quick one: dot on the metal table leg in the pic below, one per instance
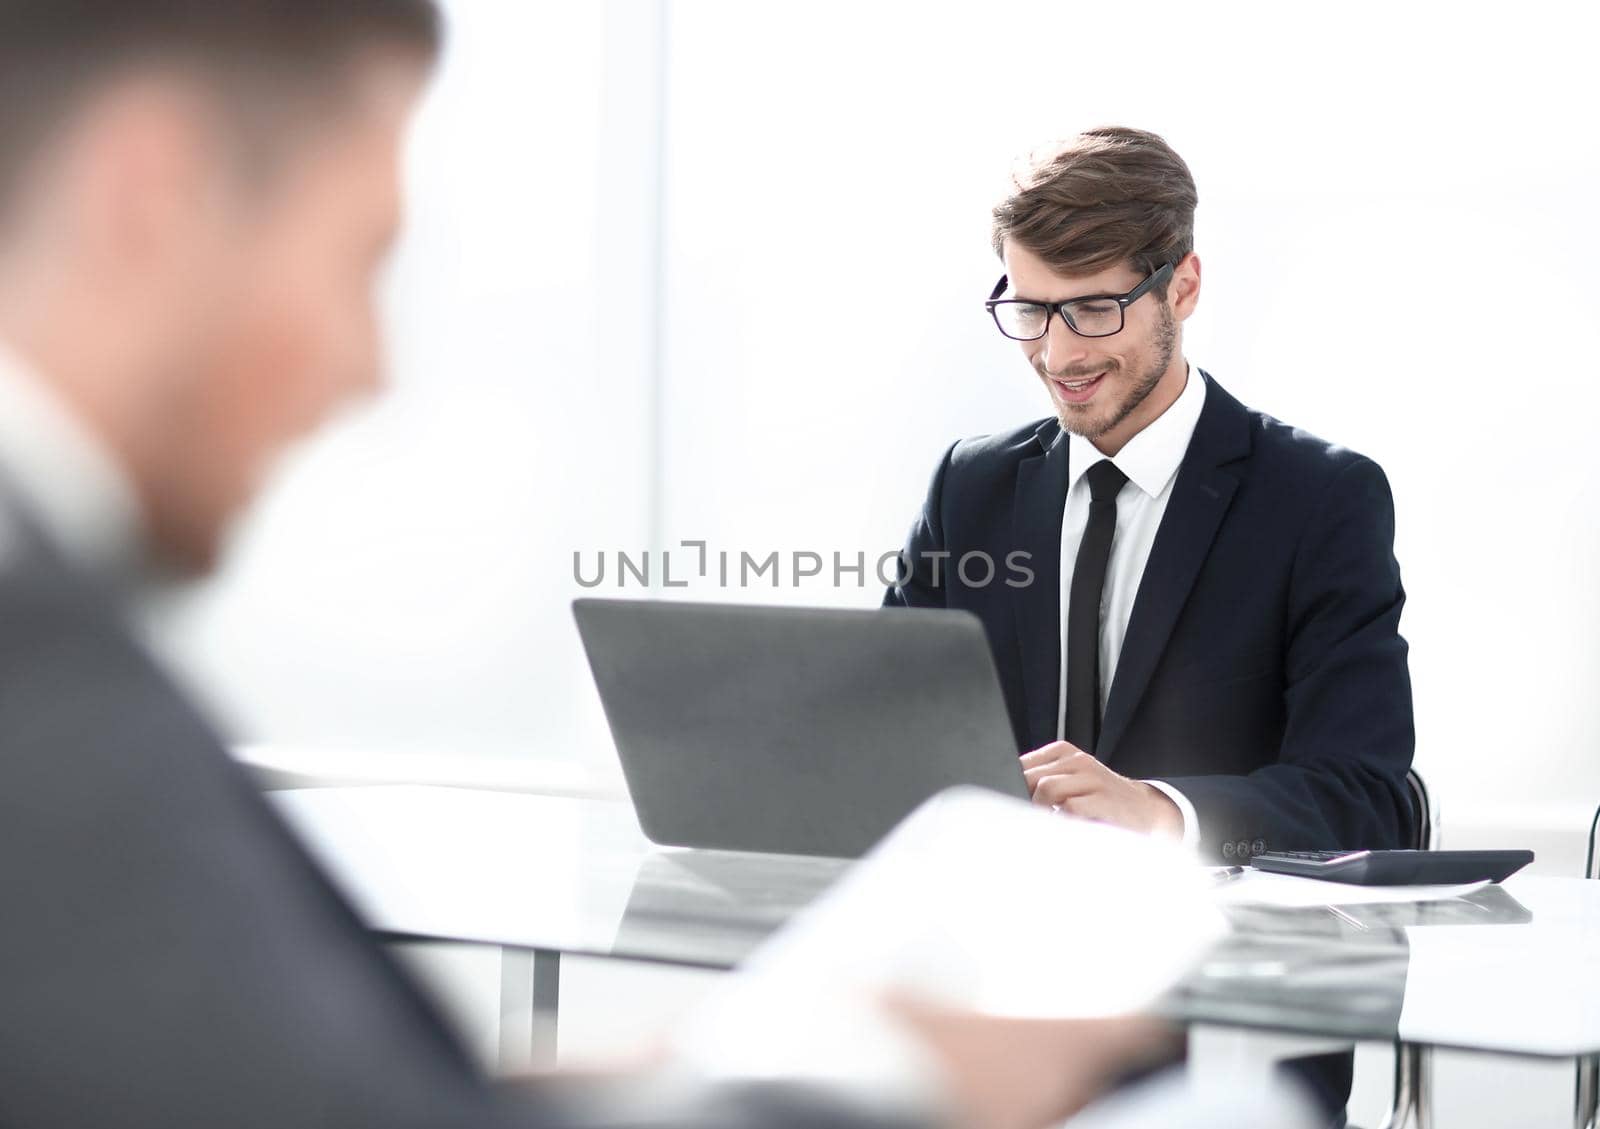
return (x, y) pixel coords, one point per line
(530, 1001)
(1413, 1088)
(1587, 1104)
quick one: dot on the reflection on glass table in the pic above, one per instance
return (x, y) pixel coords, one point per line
(1509, 968)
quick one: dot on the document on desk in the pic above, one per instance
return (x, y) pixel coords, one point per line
(1263, 888)
(981, 901)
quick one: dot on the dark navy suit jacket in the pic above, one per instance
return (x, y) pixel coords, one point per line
(1262, 674)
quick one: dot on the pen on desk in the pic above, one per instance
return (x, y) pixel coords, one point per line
(1221, 874)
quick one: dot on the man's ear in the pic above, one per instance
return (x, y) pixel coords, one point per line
(145, 178)
(1183, 291)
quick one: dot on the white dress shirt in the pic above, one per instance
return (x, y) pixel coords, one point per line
(1150, 460)
(69, 482)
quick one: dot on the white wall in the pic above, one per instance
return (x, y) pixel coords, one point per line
(404, 586)
(1374, 181)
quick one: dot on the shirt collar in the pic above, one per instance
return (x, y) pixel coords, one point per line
(70, 484)
(1152, 457)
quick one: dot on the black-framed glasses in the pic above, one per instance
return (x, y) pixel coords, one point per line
(1094, 315)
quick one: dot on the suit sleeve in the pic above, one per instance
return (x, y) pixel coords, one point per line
(924, 562)
(1348, 736)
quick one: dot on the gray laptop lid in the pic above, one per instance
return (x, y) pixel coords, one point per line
(797, 730)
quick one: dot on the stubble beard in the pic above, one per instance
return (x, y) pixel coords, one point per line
(1164, 344)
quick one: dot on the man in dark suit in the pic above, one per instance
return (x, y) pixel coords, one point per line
(1193, 607)
(195, 196)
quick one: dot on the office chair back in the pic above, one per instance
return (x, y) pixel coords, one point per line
(1591, 868)
(1586, 1111)
(1427, 827)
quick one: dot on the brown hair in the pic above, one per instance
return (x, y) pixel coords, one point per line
(54, 52)
(1110, 195)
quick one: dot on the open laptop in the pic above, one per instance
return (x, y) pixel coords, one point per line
(794, 730)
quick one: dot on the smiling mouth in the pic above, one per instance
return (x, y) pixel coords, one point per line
(1078, 391)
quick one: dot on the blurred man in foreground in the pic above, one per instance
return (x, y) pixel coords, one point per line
(194, 200)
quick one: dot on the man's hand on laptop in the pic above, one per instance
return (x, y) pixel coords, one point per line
(1065, 778)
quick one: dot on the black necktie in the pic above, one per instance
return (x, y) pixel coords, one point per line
(1083, 609)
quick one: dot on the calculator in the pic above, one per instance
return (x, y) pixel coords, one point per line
(1396, 868)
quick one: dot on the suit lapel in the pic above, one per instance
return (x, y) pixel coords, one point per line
(1200, 497)
(1036, 529)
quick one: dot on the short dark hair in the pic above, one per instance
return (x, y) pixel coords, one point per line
(1107, 196)
(54, 52)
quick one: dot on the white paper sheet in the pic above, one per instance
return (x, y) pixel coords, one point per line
(990, 903)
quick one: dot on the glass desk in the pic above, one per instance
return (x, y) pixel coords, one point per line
(1511, 969)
